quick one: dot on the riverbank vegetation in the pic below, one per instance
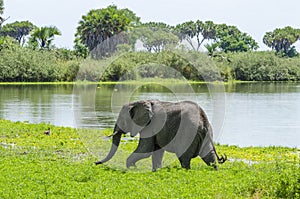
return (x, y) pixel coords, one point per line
(60, 165)
(27, 52)
(18, 64)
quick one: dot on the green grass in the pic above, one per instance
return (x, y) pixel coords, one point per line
(138, 82)
(34, 165)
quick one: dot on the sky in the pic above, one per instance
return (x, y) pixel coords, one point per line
(255, 17)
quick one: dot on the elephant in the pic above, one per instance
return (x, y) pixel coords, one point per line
(177, 127)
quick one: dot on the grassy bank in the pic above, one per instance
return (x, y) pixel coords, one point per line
(143, 82)
(129, 82)
(59, 165)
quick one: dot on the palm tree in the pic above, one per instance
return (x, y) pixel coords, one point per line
(43, 37)
(211, 49)
(1, 11)
(1, 7)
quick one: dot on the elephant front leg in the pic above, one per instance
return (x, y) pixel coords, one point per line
(144, 149)
(134, 157)
(157, 157)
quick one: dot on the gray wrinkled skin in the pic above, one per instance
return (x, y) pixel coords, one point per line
(181, 128)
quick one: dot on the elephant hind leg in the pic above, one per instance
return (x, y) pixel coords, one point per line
(157, 157)
(210, 160)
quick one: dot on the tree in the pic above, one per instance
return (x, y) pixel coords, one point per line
(187, 31)
(17, 30)
(1, 12)
(1, 7)
(106, 26)
(231, 39)
(208, 31)
(156, 36)
(8, 43)
(211, 49)
(80, 49)
(43, 37)
(282, 39)
(199, 30)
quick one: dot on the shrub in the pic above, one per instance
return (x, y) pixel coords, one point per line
(19, 64)
(134, 65)
(264, 66)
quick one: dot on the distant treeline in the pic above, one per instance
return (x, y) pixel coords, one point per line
(27, 52)
(19, 64)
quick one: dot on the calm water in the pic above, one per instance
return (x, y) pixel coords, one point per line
(257, 114)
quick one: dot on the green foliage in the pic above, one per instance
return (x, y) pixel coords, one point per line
(112, 33)
(19, 64)
(166, 64)
(43, 37)
(105, 24)
(1, 12)
(8, 43)
(192, 65)
(80, 49)
(124, 48)
(231, 39)
(282, 39)
(65, 54)
(156, 37)
(289, 182)
(17, 30)
(60, 166)
(225, 38)
(263, 66)
(202, 31)
(1, 7)
(211, 49)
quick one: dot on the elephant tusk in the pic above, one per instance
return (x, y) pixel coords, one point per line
(116, 132)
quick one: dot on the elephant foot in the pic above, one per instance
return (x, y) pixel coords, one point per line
(214, 165)
(130, 164)
(96, 163)
(156, 167)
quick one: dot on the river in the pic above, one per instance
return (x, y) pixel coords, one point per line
(244, 114)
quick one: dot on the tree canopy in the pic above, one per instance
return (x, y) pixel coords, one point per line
(17, 30)
(282, 39)
(1, 7)
(42, 37)
(225, 38)
(156, 36)
(231, 39)
(1, 12)
(102, 24)
(200, 30)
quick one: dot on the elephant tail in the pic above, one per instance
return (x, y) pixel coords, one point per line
(115, 144)
(221, 159)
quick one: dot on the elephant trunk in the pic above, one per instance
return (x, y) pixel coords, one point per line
(114, 147)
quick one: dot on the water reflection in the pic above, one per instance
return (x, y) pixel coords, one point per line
(256, 114)
(37, 103)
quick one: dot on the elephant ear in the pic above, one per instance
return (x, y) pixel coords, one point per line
(141, 112)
